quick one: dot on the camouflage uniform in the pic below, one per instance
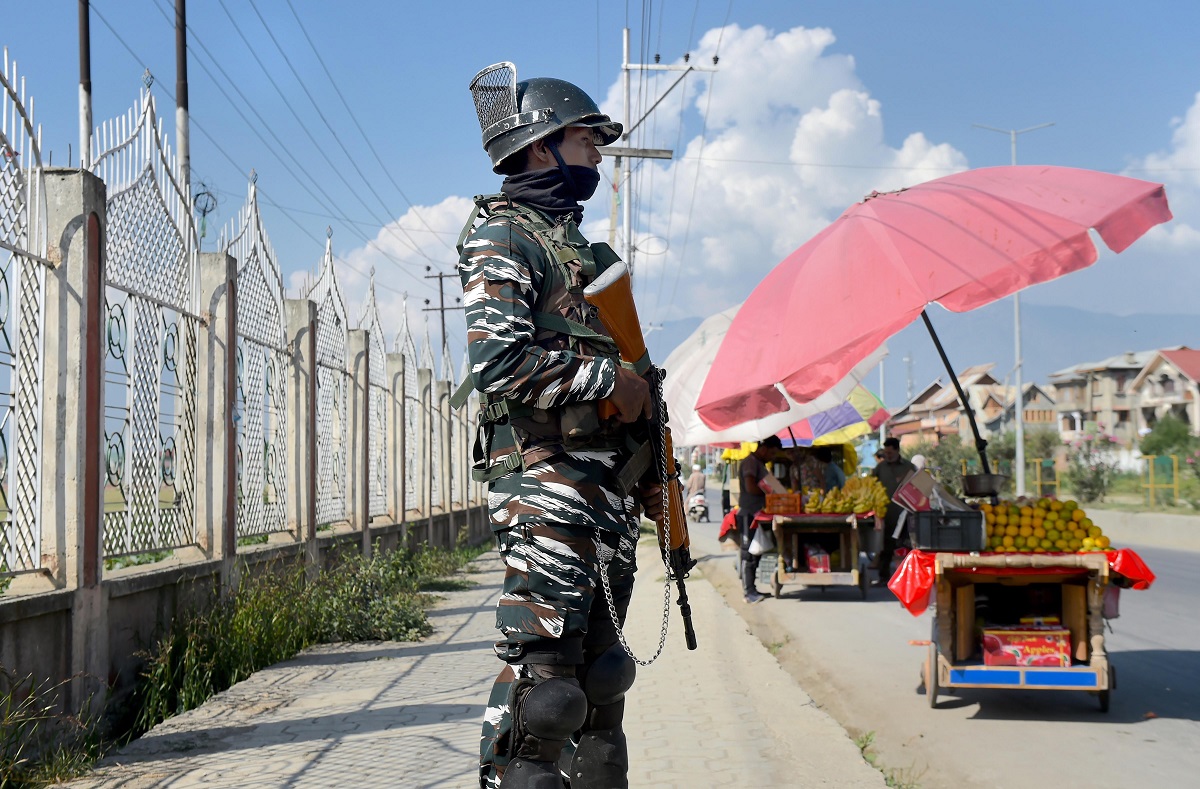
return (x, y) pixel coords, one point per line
(558, 506)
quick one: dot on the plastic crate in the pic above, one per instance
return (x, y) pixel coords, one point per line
(961, 531)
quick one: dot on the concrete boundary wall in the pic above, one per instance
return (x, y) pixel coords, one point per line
(70, 618)
(1154, 529)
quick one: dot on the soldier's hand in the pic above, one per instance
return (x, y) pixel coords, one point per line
(631, 396)
(652, 501)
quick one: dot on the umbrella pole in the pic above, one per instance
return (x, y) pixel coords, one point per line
(980, 443)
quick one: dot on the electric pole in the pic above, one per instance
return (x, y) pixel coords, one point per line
(442, 308)
(623, 154)
(1019, 397)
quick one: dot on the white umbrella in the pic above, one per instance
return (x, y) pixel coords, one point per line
(688, 366)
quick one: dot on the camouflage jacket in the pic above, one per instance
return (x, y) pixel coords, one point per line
(510, 273)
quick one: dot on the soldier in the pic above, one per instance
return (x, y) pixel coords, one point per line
(541, 361)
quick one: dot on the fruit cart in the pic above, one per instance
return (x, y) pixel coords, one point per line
(838, 559)
(1017, 620)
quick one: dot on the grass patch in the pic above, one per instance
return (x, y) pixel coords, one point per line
(775, 647)
(274, 613)
(896, 779)
(39, 744)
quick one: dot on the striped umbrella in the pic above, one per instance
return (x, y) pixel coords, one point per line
(859, 414)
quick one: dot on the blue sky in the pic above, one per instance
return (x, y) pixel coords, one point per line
(814, 104)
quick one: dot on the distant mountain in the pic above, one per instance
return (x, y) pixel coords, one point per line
(1053, 338)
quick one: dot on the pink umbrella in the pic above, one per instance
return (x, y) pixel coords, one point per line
(962, 241)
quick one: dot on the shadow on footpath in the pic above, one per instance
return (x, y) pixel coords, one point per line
(1151, 683)
(330, 729)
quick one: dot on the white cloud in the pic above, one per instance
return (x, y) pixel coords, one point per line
(792, 138)
(1158, 273)
(398, 254)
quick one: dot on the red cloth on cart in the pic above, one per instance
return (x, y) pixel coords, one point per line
(915, 578)
(728, 523)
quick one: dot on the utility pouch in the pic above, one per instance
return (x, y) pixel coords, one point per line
(579, 422)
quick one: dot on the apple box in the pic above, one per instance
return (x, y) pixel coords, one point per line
(1027, 645)
(818, 559)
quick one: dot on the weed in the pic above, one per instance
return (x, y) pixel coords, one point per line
(776, 646)
(896, 779)
(40, 744)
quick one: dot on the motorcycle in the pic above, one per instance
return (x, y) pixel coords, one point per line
(697, 508)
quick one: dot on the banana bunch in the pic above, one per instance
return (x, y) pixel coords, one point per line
(866, 495)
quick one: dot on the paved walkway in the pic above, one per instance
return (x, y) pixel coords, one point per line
(407, 714)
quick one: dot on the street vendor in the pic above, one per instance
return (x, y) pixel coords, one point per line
(751, 500)
(832, 476)
(890, 471)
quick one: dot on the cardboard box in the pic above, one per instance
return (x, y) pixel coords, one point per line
(920, 492)
(1027, 645)
(771, 484)
(784, 503)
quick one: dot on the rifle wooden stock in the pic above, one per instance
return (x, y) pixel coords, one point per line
(612, 295)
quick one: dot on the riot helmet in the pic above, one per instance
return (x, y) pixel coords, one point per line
(513, 115)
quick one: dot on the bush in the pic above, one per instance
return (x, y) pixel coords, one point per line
(1170, 436)
(1091, 466)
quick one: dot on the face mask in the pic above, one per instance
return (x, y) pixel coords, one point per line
(586, 180)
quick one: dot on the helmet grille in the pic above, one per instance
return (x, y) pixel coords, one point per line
(495, 92)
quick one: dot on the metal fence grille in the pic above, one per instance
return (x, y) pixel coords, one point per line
(333, 385)
(261, 414)
(436, 430)
(22, 321)
(377, 404)
(411, 403)
(150, 360)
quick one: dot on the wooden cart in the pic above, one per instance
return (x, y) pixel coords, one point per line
(838, 531)
(954, 659)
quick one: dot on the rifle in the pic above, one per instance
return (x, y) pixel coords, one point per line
(612, 295)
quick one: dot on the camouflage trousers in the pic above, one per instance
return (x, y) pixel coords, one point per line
(552, 610)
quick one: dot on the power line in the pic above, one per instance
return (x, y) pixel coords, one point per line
(200, 127)
(383, 166)
(384, 225)
(333, 132)
(337, 214)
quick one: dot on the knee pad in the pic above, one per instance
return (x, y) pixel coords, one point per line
(553, 709)
(609, 676)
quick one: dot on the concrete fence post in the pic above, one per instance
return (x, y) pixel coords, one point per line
(358, 352)
(446, 456)
(300, 322)
(216, 438)
(72, 491)
(396, 436)
(424, 454)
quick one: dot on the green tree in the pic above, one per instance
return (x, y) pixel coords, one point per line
(1170, 436)
(1091, 466)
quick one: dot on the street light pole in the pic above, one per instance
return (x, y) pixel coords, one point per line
(1019, 399)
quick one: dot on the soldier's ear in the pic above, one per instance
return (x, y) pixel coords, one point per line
(539, 155)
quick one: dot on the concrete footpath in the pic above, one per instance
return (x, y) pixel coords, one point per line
(407, 714)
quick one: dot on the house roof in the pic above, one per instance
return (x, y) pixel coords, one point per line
(1130, 360)
(1186, 361)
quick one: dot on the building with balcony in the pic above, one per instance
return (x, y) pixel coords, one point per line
(1169, 383)
(1098, 396)
(935, 412)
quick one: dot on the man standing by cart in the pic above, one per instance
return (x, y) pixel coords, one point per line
(751, 500)
(890, 471)
(542, 361)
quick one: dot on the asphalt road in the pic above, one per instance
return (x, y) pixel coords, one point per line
(854, 659)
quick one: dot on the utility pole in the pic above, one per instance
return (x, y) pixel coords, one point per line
(908, 379)
(624, 154)
(182, 136)
(85, 86)
(1019, 397)
(442, 308)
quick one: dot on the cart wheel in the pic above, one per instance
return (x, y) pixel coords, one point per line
(931, 677)
(1104, 700)
(863, 583)
(776, 586)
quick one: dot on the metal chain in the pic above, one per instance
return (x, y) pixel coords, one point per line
(612, 607)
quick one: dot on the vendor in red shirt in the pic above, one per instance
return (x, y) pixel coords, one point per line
(752, 498)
